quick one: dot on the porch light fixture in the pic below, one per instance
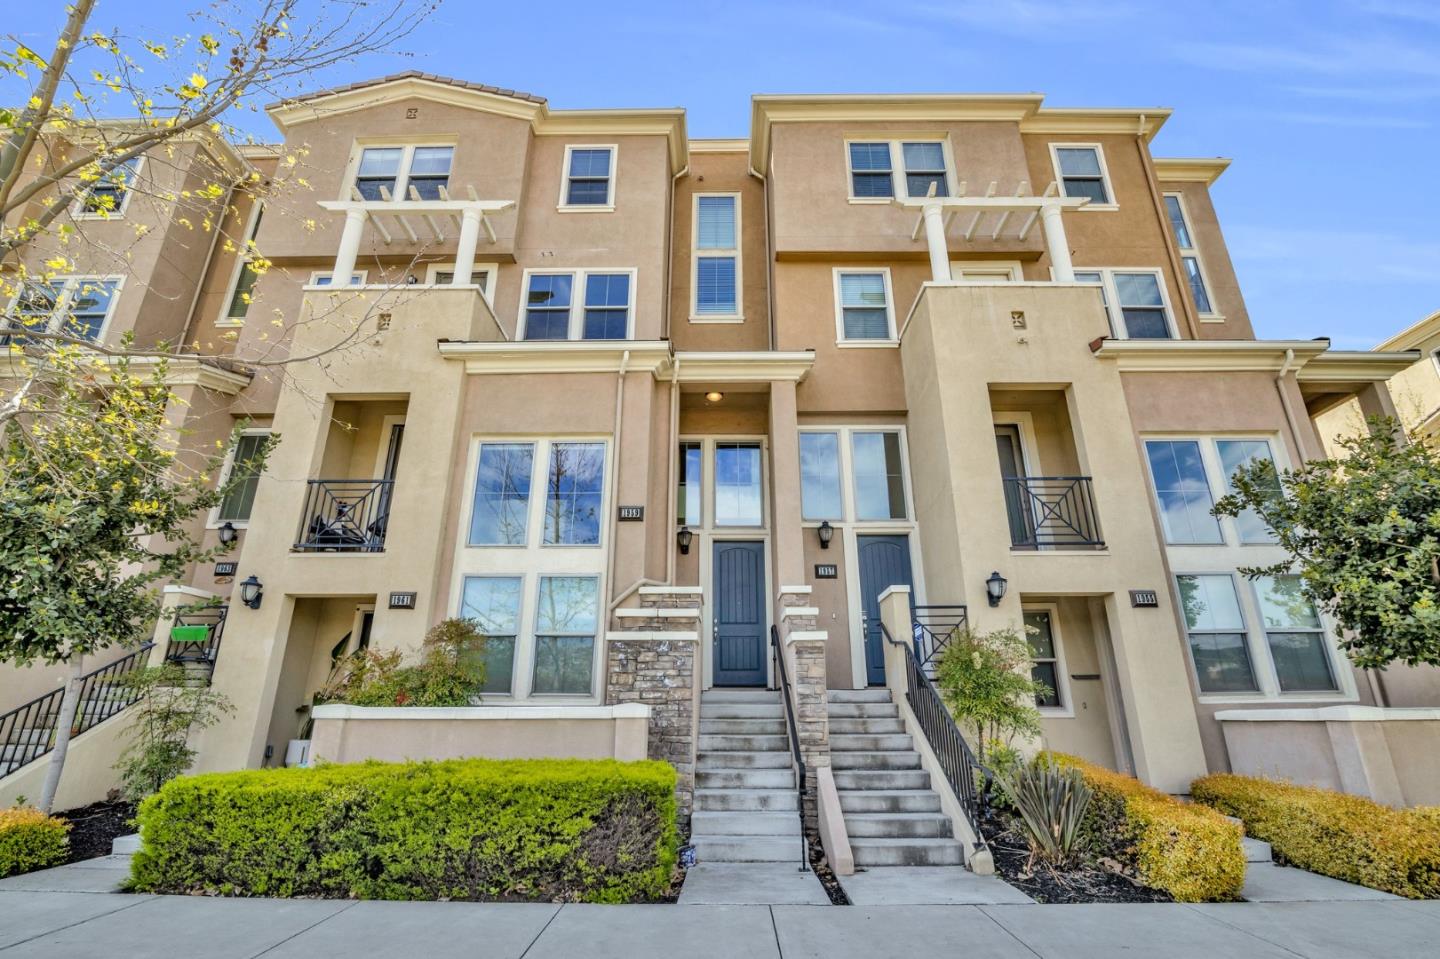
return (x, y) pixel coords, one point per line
(683, 538)
(714, 396)
(826, 533)
(995, 588)
(228, 533)
(252, 591)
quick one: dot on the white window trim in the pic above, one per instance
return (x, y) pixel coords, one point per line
(1435, 359)
(1113, 310)
(317, 275)
(534, 560)
(213, 521)
(78, 211)
(577, 299)
(738, 316)
(487, 290)
(1066, 709)
(223, 320)
(609, 206)
(1013, 267)
(1194, 252)
(70, 282)
(1114, 203)
(402, 176)
(899, 185)
(893, 339)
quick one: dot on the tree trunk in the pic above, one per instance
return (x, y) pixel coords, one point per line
(68, 706)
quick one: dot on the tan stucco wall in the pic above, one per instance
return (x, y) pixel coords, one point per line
(1086, 733)
(1220, 279)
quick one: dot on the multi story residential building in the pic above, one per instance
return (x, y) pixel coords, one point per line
(1415, 390)
(618, 387)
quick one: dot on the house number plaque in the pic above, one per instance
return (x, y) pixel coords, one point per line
(1144, 597)
(826, 571)
(632, 514)
(402, 600)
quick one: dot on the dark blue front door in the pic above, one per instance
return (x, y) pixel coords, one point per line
(739, 617)
(884, 562)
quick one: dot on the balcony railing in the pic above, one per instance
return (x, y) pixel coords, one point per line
(933, 628)
(1052, 512)
(345, 516)
(195, 637)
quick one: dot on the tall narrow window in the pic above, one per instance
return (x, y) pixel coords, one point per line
(1296, 636)
(501, 511)
(864, 301)
(870, 173)
(688, 511)
(1216, 630)
(1189, 256)
(238, 502)
(566, 622)
(547, 306)
(607, 306)
(242, 292)
(110, 194)
(589, 179)
(1235, 454)
(1082, 173)
(820, 476)
(737, 485)
(879, 475)
(717, 255)
(1044, 660)
(924, 169)
(575, 488)
(1183, 492)
(493, 602)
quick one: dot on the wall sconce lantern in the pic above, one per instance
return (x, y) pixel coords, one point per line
(251, 592)
(228, 533)
(683, 538)
(995, 588)
(826, 533)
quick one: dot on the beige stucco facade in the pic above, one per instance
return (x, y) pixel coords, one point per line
(848, 387)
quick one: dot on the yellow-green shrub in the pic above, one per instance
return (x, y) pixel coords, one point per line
(29, 840)
(1335, 834)
(1191, 852)
(540, 830)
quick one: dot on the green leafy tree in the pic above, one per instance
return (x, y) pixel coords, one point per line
(172, 704)
(95, 514)
(985, 680)
(1363, 533)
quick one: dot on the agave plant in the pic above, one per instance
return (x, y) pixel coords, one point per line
(1051, 801)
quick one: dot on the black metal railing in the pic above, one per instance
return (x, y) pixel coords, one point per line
(1052, 512)
(195, 636)
(934, 627)
(783, 676)
(345, 516)
(28, 732)
(950, 748)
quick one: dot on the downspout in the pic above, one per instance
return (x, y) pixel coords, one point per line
(769, 258)
(210, 262)
(1167, 235)
(670, 496)
(616, 432)
(670, 249)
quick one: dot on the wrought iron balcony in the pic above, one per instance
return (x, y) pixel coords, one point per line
(195, 637)
(345, 516)
(1052, 512)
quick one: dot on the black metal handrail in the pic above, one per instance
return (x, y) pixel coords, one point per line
(790, 726)
(1052, 512)
(347, 516)
(950, 748)
(933, 628)
(197, 651)
(27, 732)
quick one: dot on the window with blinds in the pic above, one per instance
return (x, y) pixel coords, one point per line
(716, 267)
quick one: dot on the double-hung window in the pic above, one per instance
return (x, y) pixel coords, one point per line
(852, 475)
(589, 180)
(404, 172)
(1134, 300)
(71, 306)
(716, 270)
(1189, 255)
(242, 286)
(241, 472)
(109, 195)
(923, 163)
(864, 312)
(493, 602)
(1216, 628)
(1295, 636)
(566, 623)
(603, 311)
(1044, 657)
(1080, 168)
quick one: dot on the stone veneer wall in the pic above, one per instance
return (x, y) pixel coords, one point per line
(806, 648)
(652, 658)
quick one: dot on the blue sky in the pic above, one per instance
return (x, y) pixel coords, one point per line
(1330, 110)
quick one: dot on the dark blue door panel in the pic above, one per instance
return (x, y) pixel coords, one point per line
(739, 616)
(884, 562)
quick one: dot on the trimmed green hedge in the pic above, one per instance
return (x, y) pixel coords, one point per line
(31, 840)
(476, 829)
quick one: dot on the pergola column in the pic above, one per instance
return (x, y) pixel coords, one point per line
(935, 240)
(1056, 244)
(469, 239)
(349, 247)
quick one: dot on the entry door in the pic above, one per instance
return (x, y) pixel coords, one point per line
(739, 614)
(884, 562)
(1017, 499)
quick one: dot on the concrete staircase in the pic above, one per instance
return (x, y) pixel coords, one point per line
(30, 734)
(745, 790)
(892, 815)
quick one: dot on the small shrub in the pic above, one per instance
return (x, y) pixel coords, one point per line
(1191, 852)
(473, 829)
(450, 672)
(985, 681)
(171, 705)
(1335, 834)
(1051, 802)
(31, 840)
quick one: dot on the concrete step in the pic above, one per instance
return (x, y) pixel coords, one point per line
(859, 695)
(865, 727)
(742, 727)
(887, 779)
(863, 711)
(754, 800)
(1256, 850)
(868, 742)
(740, 696)
(898, 825)
(746, 779)
(907, 852)
(743, 760)
(745, 823)
(888, 801)
(855, 759)
(747, 848)
(741, 711)
(751, 743)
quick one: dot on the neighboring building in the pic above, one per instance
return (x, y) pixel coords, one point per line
(887, 340)
(1414, 390)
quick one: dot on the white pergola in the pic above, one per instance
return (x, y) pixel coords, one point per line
(937, 213)
(468, 217)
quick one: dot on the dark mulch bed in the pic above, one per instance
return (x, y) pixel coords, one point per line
(1089, 883)
(824, 873)
(94, 827)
